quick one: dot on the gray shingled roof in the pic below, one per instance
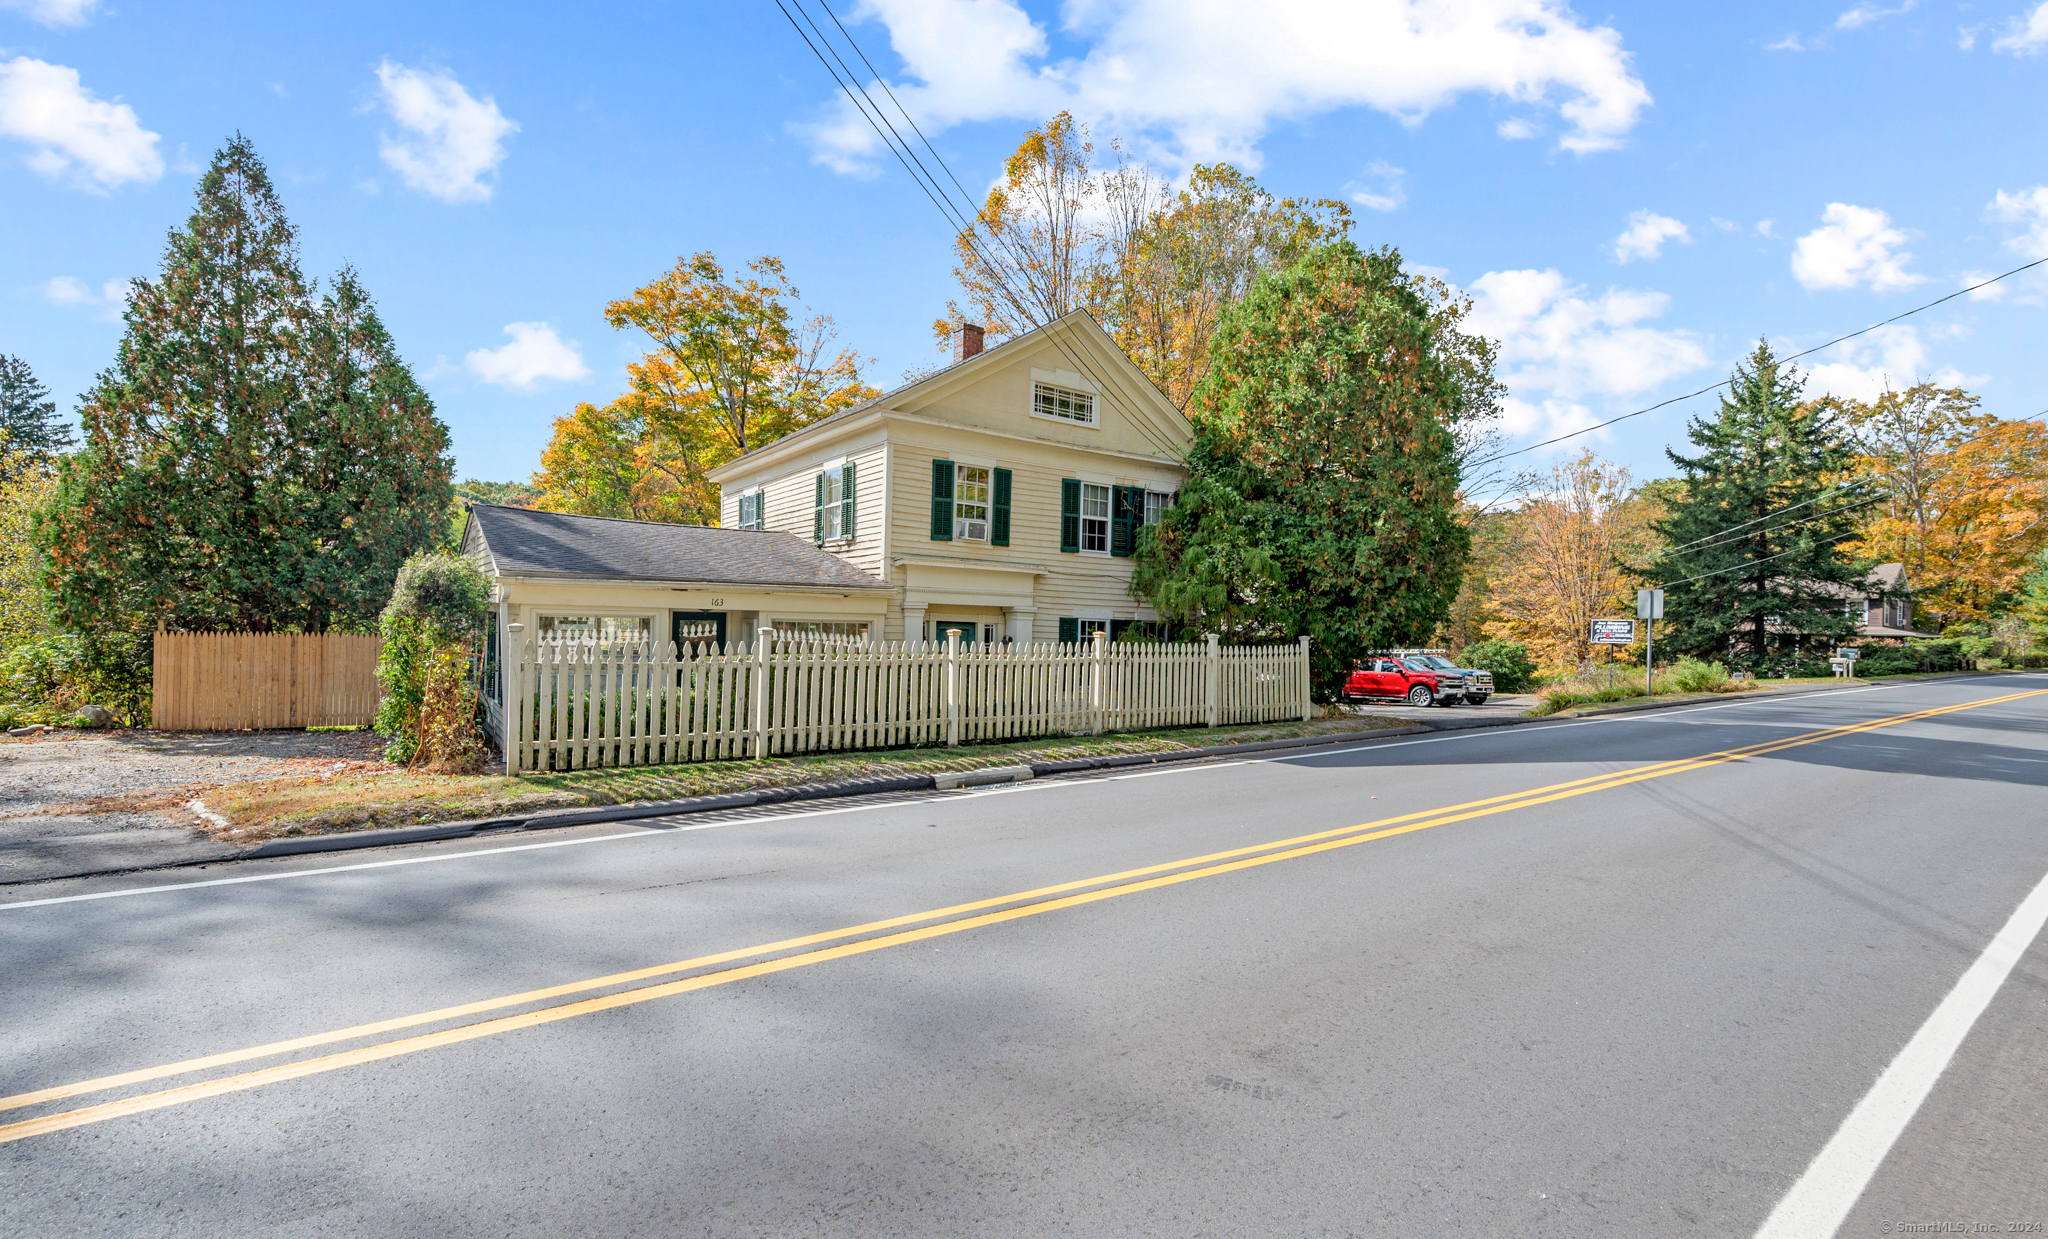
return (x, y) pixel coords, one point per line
(523, 542)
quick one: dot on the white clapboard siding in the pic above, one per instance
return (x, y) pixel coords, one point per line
(578, 704)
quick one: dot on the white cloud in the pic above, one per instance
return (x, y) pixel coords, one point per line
(451, 139)
(1966, 36)
(1892, 357)
(536, 353)
(1725, 225)
(1866, 13)
(2029, 207)
(2025, 35)
(1517, 129)
(1559, 346)
(71, 133)
(1204, 81)
(54, 12)
(1790, 43)
(1854, 245)
(1646, 234)
(69, 290)
(1386, 194)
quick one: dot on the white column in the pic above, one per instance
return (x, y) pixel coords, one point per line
(913, 621)
(1017, 622)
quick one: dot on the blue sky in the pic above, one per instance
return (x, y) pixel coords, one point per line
(1634, 193)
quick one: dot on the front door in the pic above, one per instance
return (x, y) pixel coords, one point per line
(687, 628)
(971, 630)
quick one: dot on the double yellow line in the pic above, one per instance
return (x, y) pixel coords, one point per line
(854, 940)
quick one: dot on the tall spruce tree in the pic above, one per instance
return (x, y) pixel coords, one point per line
(28, 417)
(1752, 544)
(253, 459)
(1323, 475)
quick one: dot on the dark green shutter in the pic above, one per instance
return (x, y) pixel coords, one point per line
(999, 510)
(1070, 629)
(942, 501)
(1070, 516)
(1122, 528)
(818, 510)
(846, 501)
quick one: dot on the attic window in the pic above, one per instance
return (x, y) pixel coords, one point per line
(1062, 405)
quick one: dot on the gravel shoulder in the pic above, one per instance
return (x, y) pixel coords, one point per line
(115, 799)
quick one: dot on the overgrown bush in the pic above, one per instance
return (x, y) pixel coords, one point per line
(51, 676)
(1513, 670)
(1690, 675)
(433, 632)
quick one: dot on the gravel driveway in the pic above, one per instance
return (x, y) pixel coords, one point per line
(118, 799)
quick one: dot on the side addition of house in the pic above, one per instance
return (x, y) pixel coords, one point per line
(1001, 495)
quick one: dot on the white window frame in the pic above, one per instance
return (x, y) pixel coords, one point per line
(831, 524)
(963, 524)
(1155, 512)
(1108, 502)
(542, 622)
(792, 625)
(759, 496)
(1042, 392)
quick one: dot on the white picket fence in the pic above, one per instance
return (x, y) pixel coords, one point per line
(574, 704)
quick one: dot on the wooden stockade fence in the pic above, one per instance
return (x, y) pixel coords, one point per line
(574, 704)
(231, 681)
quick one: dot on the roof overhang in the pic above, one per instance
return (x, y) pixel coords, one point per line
(683, 583)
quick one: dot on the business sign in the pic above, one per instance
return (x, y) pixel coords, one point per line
(1614, 632)
(1649, 604)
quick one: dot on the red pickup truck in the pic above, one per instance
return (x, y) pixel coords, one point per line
(1420, 680)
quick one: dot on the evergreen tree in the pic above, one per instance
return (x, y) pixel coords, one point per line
(28, 417)
(252, 460)
(1752, 542)
(1323, 475)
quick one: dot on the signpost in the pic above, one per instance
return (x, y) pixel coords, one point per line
(1614, 632)
(1650, 606)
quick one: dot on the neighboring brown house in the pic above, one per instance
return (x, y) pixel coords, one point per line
(1885, 610)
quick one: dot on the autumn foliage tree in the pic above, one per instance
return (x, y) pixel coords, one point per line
(1563, 558)
(1965, 505)
(733, 367)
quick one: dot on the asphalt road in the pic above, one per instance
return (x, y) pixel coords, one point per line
(1624, 998)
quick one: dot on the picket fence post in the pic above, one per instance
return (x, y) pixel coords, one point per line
(1098, 686)
(761, 639)
(1215, 680)
(952, 688)
(1307, 683)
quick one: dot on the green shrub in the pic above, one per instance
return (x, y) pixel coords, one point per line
(1513, 670)
(1690, 675)
(432, 628)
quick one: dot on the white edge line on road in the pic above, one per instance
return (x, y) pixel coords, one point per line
(1820, 1201)
(1034, 785)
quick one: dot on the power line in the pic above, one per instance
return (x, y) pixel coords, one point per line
(1794, 357)
(872, 112)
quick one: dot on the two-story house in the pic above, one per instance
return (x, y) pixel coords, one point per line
(1000, 495)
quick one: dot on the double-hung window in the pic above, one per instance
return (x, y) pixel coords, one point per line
(1156, 503)
(832, 515)
(970, 502)
(1094, 518)
(750, 509)
(1060, 403)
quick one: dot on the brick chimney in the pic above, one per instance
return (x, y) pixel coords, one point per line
(966, 341)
